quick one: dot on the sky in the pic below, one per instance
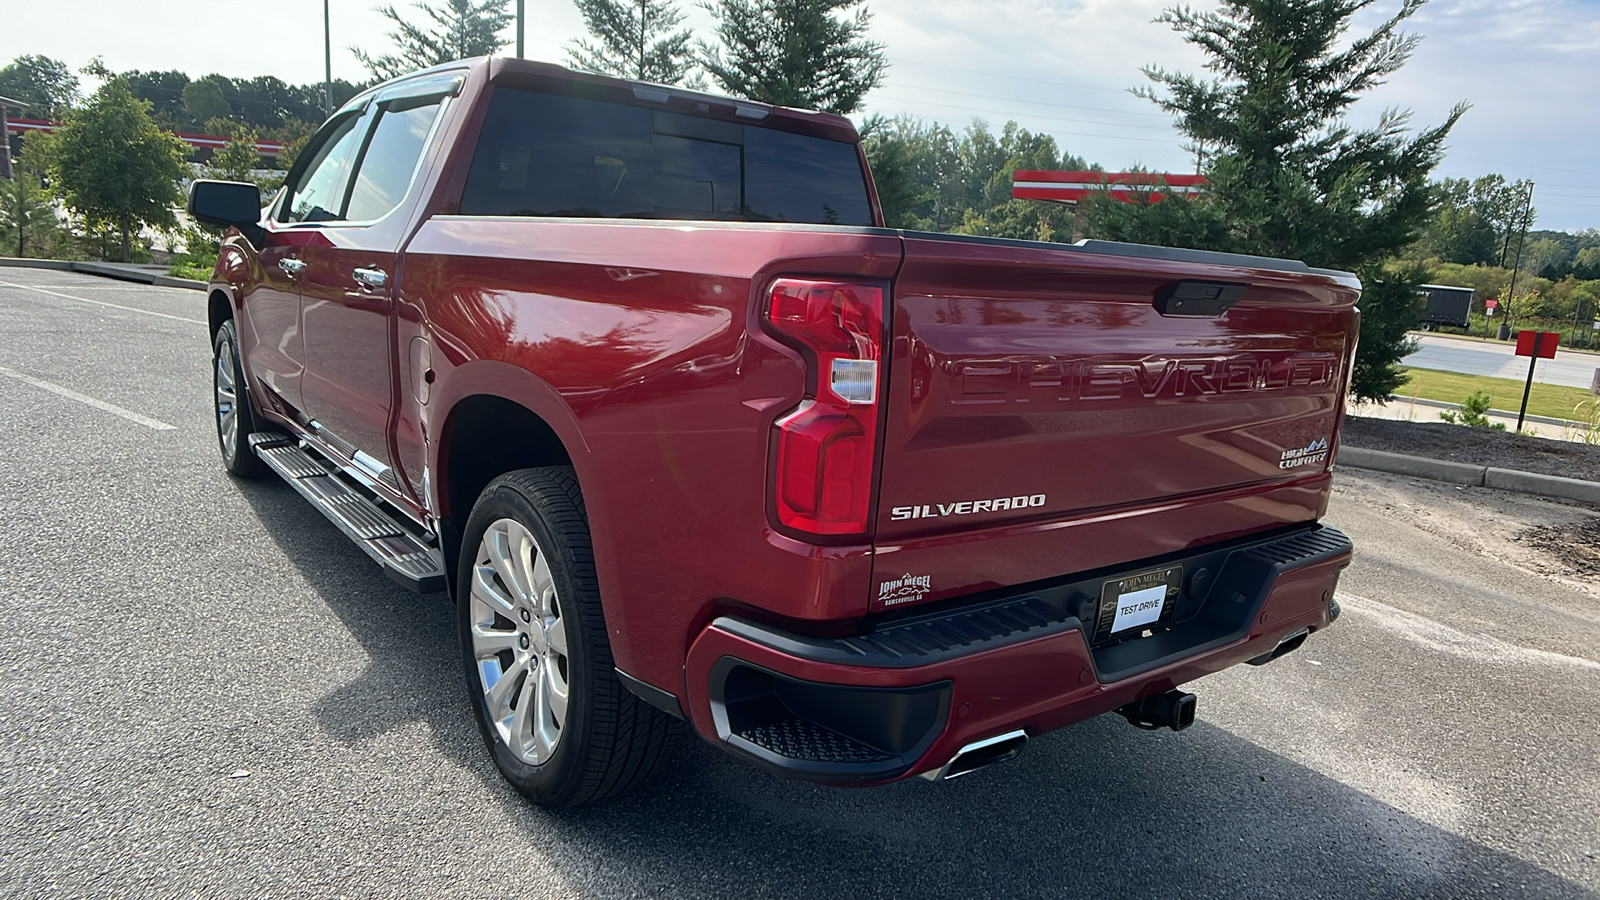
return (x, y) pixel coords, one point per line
(1530, 69)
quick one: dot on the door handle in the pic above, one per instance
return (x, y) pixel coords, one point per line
(371, 278)
(291, 266)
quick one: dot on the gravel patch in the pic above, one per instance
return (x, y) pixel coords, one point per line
(1576, 544)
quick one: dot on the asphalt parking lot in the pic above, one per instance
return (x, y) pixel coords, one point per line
(207, 691)
(1573, 368)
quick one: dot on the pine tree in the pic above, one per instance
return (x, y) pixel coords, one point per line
(461, 29)
(634, 39)
(27, 215)
(1288, 175)
(795, 53)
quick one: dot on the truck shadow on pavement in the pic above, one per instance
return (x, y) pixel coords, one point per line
(1096, 809)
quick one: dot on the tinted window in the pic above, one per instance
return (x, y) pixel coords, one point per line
(319, 194)
(390, 160)
(794, 178)
(543, 155)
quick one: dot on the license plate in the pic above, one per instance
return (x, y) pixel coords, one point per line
(1135, 601)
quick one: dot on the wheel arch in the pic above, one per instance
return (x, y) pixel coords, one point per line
(219, 308)
(484, 436)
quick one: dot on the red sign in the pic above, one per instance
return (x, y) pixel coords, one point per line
(1544, 341)
(1491, 303)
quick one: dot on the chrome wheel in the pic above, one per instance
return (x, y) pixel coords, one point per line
(519, 642)
(226, 382)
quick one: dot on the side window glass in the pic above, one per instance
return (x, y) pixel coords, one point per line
(319, 195)
(390, 160)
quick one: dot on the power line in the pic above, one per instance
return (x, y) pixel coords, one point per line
(1120, 112)
(1508, 165)
(1068, 84)
(992, 111)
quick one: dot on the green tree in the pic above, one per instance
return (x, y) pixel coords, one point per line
(238, 160)
(989, 163)
(113, 166)
(46, 85)
(460, 28)
(163, 91)
(1478, 221)
(1505, 207)
(1542, 256)
(204, 100)
(265, 102)
(27, 216)
(795, 53)
(913, 167)
(634, 39)
(1289, 176)
(928, 178)
(1587, 263)
(1460, 233)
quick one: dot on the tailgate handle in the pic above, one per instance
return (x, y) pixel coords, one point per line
(1199, 299)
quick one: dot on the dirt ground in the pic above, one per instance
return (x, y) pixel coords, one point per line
(1478, 446)
(1550, 538)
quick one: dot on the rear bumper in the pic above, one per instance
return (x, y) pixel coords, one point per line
(904, 698)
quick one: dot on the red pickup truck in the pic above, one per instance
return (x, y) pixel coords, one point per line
(637, 375)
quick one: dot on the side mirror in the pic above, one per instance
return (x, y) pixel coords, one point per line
(227, 204)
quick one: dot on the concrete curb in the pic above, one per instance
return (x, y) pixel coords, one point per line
(22, 263)
(1418, 466)
(106, 270)
(1544, 485)
(1471, 475)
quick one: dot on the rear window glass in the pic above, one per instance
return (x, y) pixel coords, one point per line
(544, 155)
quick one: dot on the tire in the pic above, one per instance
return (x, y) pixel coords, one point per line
(236, 421)
(558, 722)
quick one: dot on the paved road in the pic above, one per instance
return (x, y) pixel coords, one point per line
(167, 629)
(1500, 360)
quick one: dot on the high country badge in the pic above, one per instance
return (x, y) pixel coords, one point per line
(1313, 453)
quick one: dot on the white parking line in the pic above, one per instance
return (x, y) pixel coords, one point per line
(29, 287)
(70, 394)
(1441, 637)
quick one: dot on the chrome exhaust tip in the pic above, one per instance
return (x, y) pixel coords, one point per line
(1286, 645)
(980, 755)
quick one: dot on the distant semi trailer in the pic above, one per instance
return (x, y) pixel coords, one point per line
(1446, 305)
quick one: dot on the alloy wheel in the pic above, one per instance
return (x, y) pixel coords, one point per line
(519, 642)
(226, 383)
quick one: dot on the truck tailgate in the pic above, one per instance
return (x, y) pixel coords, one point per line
(1045, 418)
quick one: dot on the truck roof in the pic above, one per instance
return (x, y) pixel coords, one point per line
(550, 77)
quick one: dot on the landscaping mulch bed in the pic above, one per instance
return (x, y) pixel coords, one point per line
(1476, 446)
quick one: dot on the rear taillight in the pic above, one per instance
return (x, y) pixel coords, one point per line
(828, 445)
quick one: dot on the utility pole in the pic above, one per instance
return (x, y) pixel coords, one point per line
(5, 135)
(519, 30)
(327, 61)
(1511, 292)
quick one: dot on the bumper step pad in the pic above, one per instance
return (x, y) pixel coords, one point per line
(799, 739)
(407, 558)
